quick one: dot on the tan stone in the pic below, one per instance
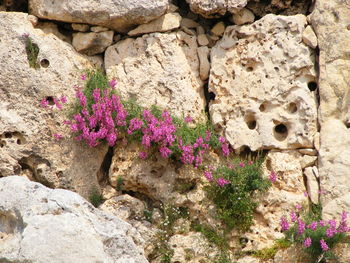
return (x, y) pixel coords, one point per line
(293, 254)
(317, 141)
(218, 29)
(280, 199)
(244, 16)
(309, 37)
(164, 23)
(80, 27)
(202, 40)
(159, 69)
(92, 43)
(120, 16)
(189, 23)
(308, 151)
(26, 128)
(312, 184)
(262, 99)
(33, 19)
(204, 65)
(213, 8)
(51, 28)
(98, 29)
(307, 161)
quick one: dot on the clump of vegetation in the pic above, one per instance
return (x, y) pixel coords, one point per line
(32, 51)
(95, 197)
(318, 237)
(234, 189)
(120, 182)
(269, 253)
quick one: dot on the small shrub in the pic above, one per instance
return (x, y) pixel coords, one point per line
(233, 190)
(120, 182)
(212, 235)
(269, 253)
(317, 236)
(95, 197)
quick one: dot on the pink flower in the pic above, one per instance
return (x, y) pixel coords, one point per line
(112, 83)
(322, 223)
(57, 103)
(298, 207)
(306, 194)
(301, 226)
(222, 182)
(188, 119)
(83, 77)
(241, 164)
(143, 155)
(58, 136)
(307, 242)
(208, 175)
(64, 99)
(324, 245)
(250, 162)
(293, 216)
(284, 224)
(313, 226)
(222, 139)
(165, 152)
(273, 177)
(44, 103)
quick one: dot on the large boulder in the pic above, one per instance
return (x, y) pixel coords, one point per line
(119, 15)
(159, 69)
(263, 78)
(27, 143)
(331, 22)
(40, 225)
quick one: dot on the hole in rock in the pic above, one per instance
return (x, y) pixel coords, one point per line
(50, 100)
(280, 132)
(262, 107)
(8, 135)
(250, 121)
(19, 142)
(277, 69)
(249, 69)
(44, 63)
(2, 144)
(312, 85)
(348, 27)
(292, 107)
(103, 173)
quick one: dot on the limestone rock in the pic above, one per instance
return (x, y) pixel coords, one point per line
(33, 19)
(293, 254)
(282, 7)
(119, 15)
(189, 23)
(92, 43)
(244, 16)
(202, 40)
(27, 145)
(51, 28)
(212, 8)
(159, 69)
(312, 185)
(164, 23)
(260, 75)
(309, 37)
(80, 27)
(98, 29)
(330, 21)
(281, 198)
(218, 29)
(308, 151)
(203, 54)
(192, 247)
(44, 225)
(307, 161)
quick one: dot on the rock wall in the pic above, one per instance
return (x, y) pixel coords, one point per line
(269, 75)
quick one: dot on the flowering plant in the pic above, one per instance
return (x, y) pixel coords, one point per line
(317, 236)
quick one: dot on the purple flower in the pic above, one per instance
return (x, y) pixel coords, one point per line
(222, 139)
(293, 216)
(208, 175)
(301, 226)
(143, 155)
(306, 194)
(284, 224)
(188, 119)
(165, 152)
(313, 226)
(58, 136)
(25, 35)
(63, 99)
(273, 177)
(44, 103)
(298, 207)
(112, 83)
(324, 245)
(83, 77)
(322, 223)
(343, 227)
(307, 242)
(207, 136)
(241, 164)
(222, 182)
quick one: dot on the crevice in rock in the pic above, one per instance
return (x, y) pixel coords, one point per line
(208, 97)
(15, 5)
(102, 174)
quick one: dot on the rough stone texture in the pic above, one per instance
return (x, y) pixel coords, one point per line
(293, 254)
(218, 29)
(204, 64)
(213, 8)
(309, 37)
(164, 23)
(119, 15)
(159, 69)
(92, 43)
(244, 16)
(80, 27)
(312, 185)
(331, 20)
(202, 40)
(52, 28)
(27, 145)
(281, 198)
(283, 7)
(42, 225)
(260, 75)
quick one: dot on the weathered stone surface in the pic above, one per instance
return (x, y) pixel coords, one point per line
(260, 75)
(244, 16)
(212, 8)
(285, 193)
(309, 37)
(189, 23)
(307, 161)
(27, 144)
(52, 28)
(218, 29)
(293, 254)
(331, 20)
(204, 65)
(159, 69)
(42, 225)
(164, 23)
(119, 15)
(312, 185)
(202, 40)
(98, 29)
(80, 27)
(92, 43)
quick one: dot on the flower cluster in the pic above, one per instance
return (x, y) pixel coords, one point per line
(316, 234)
